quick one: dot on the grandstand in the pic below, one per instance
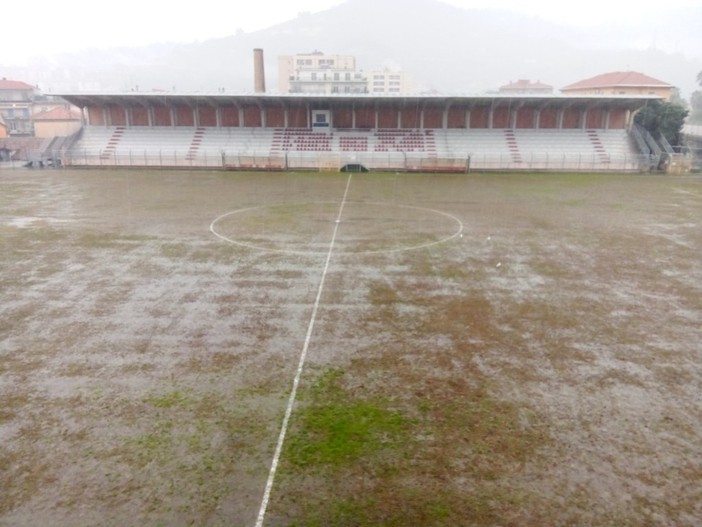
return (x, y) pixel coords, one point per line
(268, 132)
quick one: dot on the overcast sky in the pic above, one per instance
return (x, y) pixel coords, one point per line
(70, 25)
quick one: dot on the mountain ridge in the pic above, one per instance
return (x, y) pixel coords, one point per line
(445, 48)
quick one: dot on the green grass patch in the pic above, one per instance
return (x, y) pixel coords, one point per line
(170, 399)
(336, 431)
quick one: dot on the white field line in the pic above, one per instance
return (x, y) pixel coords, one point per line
(300, 367)
(447, 237)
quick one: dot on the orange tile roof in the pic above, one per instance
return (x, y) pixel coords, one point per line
(617, 79)
(523, 84)
(15, 85)
(58, 114)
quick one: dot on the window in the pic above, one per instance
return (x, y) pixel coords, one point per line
(395, 77)
(394, 90)
(336, 76)
(347, 76)
(378, 83)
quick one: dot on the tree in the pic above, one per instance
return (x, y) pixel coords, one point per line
(663, 118)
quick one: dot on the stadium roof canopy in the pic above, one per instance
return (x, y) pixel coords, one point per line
(135, 99)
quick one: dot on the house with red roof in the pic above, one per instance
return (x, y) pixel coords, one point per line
(526, 86)
(621, 83)
(16, 98)
(60, 121)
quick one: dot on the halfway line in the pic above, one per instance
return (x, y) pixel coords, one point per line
(300, 366)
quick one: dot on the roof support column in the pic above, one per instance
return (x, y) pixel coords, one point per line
(606, 118)
(353, 115)
(559, 118)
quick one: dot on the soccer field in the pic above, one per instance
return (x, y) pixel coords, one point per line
(301, 349)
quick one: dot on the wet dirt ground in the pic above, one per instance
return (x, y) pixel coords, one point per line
(151, 323)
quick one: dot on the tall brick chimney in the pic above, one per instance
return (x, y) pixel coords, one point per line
(259, 75)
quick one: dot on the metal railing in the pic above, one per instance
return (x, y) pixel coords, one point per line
(315, 160)
(665, 144)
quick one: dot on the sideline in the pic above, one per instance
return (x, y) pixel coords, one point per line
(300, 366)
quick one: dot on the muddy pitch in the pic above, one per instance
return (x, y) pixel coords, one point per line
(527, 345)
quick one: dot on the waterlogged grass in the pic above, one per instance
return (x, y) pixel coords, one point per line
(336, 431)
(174, 250)
(363, 458)
(188, 453)
(110, 240)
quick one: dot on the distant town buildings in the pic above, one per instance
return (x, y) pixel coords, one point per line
(621, 83)
(26, 112)
(525, 86)
(337, 74)
(16, 99)
(319, 73)
(57, 121)
(389, 82)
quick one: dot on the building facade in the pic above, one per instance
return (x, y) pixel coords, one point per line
(16, 99)
(317, 73)
(387, 82)
(59, 121)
